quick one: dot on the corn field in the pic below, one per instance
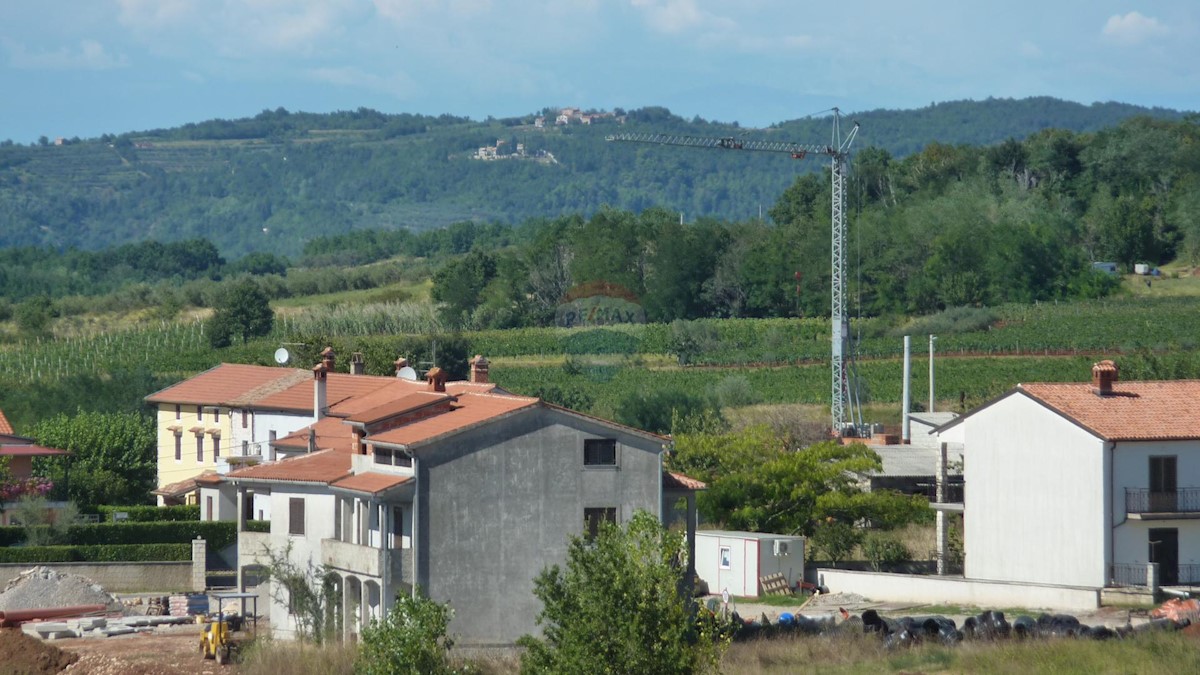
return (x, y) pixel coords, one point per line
(381, 318)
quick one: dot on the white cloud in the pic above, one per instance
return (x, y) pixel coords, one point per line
(91, 55)
(405, 10)
(1030, 50)
(397, 84)
(677, 16)
(1132, 29)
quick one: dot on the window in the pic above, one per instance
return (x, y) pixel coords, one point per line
(178, 446)
(600, 452)
(216, 448)
(199, 413)
(1163, 486)
(178, 411)
(208, 508)
(594, 516)
(726, 558)
(245, 419)
(245, 448)
(397, 527)
(200, 447)
(296, 515)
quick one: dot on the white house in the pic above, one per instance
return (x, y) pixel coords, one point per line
(1083, 484)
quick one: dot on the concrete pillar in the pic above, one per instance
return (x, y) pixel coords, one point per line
(383, 522)
(199, 565)
(1152, 578)
(906, 404)
(943, 541)
(241, 509)
(691, 537)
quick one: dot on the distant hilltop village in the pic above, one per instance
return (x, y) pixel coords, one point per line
(505, 150)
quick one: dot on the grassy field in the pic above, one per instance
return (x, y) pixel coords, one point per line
(837, 654)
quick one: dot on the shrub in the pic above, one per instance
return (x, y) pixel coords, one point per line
(834, 540)
(258, 526)
(884, 550)
(617, 605)
(735, 391)
(102, 553)
(150, 514)
(411, 639)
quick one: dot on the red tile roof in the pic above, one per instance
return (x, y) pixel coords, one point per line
(24, 450)
(371, 482)
(339, 388)
(1135, 411)
(332, 433)
(5, 427)
(325, 466)
(399, 406)
(470, 410)
(186, 486)
(678, 481)
(220, 384)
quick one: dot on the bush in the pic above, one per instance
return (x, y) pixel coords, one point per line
(103, 553)
(659, 411)
(151, 514)
(411, 639)
(617, 605)
(218, 534)
(258, 526)
(884, 550)
(835, 540)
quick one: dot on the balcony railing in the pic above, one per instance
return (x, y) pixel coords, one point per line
(1181, 500)
(1137, 575)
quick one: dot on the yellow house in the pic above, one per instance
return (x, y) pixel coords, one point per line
(195, 424)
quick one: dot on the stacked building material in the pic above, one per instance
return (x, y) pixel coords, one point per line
(190, 604)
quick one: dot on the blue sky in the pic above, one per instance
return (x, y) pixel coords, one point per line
(86, 67)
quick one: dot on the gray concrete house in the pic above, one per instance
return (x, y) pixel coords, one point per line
(467, 496)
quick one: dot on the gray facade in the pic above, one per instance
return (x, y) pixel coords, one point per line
(497, 504)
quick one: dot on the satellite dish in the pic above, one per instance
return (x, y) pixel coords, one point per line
(407, 373)
(282, 356)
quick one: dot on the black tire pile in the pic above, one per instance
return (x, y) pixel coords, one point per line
(908, 631)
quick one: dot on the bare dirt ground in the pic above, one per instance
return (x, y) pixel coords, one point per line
(168, 650)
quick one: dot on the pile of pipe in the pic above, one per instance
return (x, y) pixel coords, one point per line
(908, 631)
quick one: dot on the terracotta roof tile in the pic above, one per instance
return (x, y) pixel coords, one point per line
(27, 450)
(339, 388)
(399, 406)
(5, 427)
(183, 487)
(332, 433)
(469, 411)
(220, 384)
(1135, 411)
(371, 482)
(326, 466)
(678, 481)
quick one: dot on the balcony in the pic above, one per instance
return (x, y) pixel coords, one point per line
(1137, 575)
(1145, 504)
(365, 560)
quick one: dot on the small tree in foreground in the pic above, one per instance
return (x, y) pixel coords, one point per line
(411, 639)
(618, 606)
(308, 591)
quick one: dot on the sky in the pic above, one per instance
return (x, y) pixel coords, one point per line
(87, 67)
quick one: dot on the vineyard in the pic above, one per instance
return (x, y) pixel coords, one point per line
(782, 360)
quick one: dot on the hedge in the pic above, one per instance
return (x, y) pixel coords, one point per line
(218, 534)
(258, 526)
(112, 553)
(150, 514)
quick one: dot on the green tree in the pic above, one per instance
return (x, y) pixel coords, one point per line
(757, 483)
(659, 411)
(460, 284)
(33, 315)
(617, 606)
(411, 639)
(244, 312)
(113, 456)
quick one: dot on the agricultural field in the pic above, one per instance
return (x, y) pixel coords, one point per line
(980, 353)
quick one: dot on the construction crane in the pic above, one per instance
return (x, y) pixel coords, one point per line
(841, 362)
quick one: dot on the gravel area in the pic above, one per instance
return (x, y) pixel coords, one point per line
(43, 587)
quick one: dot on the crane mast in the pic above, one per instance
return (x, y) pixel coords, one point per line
(838, 150)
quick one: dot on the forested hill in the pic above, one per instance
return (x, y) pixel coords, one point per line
(278, 180)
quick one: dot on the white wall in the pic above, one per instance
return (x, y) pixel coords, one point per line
(318, 517)
(1036, 503)
(281, 423)
(883, 587)
(1131, 469)
(741, 577)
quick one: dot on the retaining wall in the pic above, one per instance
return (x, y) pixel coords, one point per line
(933, 590)
(129, 577)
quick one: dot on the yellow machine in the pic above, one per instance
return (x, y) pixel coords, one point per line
(219, 639)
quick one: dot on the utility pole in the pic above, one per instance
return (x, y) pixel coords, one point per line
(931, 388)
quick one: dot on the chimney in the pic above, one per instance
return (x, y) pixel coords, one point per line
(1104, 374)
(328, 358)
(320, 372)
(357, 367)
(479, 369)
(437, 379)
(312, 440)
(359, 447)
(400, 364)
